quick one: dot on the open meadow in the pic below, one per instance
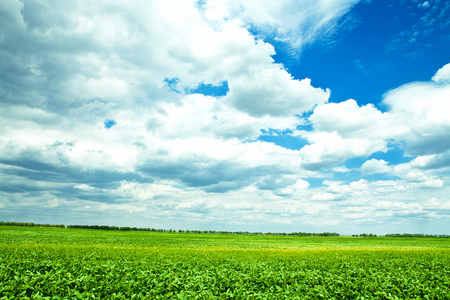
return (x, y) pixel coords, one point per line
(57, 263)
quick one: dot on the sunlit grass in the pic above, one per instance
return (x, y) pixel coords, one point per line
(50, 262)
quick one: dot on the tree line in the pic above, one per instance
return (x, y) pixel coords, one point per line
(29, 224)
(106, 227)
(417, 235)
(364, 235)
(300, 234)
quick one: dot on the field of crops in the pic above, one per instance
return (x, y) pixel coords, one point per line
(57, 263)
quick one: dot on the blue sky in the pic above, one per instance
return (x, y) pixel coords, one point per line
(386, 44)
(227, 115)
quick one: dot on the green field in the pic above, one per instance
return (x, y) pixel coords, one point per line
(56, 263)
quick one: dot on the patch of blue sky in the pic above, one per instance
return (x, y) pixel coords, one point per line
(282, 138)
(355, 162)
(393, 157)
(180, 187)
(214, 90)
(172, 84)
(211, 90)
(380, 48)
(345, 174)
(307, 126)
(314, 182)
(109, 123)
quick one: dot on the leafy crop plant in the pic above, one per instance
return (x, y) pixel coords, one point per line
(67, 263)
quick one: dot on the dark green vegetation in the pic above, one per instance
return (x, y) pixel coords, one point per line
(106, 227)
(75, 263)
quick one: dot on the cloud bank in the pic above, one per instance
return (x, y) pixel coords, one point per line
(103, 120)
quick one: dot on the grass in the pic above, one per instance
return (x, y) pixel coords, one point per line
(57, 263)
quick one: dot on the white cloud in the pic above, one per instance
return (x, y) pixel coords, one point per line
(217, 165)
(345, 130)
(323, 197)
(423, 108)
(330, 148)
(351, 120)
(274, 92)
(198, 115)
(297, 23)
(375, 166)
(341, 169)
(422, 180)
(417, 119)
(299, 186)
(174, 156)
(432, 161)
(443, 74)
(434, 203)
(400, 207)
(425, 4)
(432, 183)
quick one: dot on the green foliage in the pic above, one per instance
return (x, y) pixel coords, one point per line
(298, 234)
(417, 235)
(60, 263)
(29, 224)
(106, 227)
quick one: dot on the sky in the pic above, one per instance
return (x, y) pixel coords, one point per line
(234, 115)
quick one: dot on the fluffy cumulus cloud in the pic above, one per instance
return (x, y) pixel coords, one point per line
(375, 166)
(416, 120)
(422, 107)
(443, 74)
(330, 148)
(341, 132)
(274, 92)
(103, 120)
